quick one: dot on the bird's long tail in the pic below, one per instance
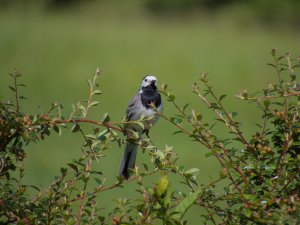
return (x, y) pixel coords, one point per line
(128, 160)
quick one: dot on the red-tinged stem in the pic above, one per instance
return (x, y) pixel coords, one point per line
(89, 121)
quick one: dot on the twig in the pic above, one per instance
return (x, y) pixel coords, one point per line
(289, 181)
(83, 193)
(209, 146)
(101, 188)
(280, 79)
(92, 85)
(107, 125)
(41, 193)
(289, 138)
(276, 64)
(262, 98)
(86, 140)
(16, 91)
(230, 123)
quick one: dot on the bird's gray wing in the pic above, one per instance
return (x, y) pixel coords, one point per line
(133, 108)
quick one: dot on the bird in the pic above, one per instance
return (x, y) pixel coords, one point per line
(144, 105)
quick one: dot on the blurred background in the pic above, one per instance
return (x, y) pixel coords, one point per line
(58, 44)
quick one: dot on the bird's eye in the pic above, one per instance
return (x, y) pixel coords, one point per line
(145, 80)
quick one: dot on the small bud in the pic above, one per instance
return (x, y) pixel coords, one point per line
(97, 71)
(116, 220)
(274, 51)
(26, 120)
(45, 116)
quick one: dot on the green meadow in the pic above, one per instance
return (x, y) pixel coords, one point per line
(58, 51)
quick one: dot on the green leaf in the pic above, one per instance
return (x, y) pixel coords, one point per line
(233, 114)
(293, 77)
(35, 118)
(171, 98)
(90, 83)
(102, 136)
(267, 103)
(208, 154)
(12, 88)
(82, 109)
(35, 187)
(73, 166)
(22, 97)
(96, 92)
(160, 154)
(185, 106)
(90, 136)
(177, 132)
(250, 197)
(192, 171)
(57, 129)
(98, 181)
(162, 185)
(272, 65)
(248, 212)
(105, 118)
(145, 167)
(75, 128)
(63, 170)
(85, 178)
(176, 120)
(94, 103)
(141, 124)
(222, 97)
(185, 204)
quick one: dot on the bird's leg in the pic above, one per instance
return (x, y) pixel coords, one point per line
(147, 134)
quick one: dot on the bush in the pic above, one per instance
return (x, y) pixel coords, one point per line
(261, 173)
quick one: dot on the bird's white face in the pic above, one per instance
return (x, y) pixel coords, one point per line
(148, 80)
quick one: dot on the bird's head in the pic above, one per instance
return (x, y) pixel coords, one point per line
(149, 81)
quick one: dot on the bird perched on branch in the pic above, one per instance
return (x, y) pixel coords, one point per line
(144, 105)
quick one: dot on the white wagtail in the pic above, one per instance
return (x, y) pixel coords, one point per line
(141, 106)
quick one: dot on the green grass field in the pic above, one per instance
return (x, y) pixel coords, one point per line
(57, 52)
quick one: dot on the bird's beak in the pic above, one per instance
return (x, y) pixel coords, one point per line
(152, 82)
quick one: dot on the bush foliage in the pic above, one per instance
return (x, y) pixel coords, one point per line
(258, 182)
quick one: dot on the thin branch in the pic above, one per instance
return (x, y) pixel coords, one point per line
(101, 188)
(92, 85)
(289, 181)
(209, 146)
(107, 125)
(262, 98)
(218, 144)
(83, 193)
(230, 124)
(280, 80)
(86, 141)
(286, 146)
(263, 130)
(41, 193)
(16, 91)
(276, 65)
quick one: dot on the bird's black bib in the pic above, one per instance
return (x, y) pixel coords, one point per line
(150, 95)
